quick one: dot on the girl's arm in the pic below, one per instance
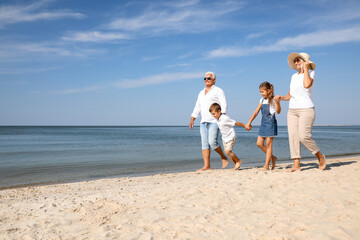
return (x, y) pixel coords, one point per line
(253, 116)
(277, 106)
(308, 82)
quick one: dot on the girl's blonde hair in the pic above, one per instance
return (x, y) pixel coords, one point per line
(267, 86)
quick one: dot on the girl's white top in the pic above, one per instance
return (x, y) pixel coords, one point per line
(271, 107)
(301, 97)
(226, 126)
(204, 101)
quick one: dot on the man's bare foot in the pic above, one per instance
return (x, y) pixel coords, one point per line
(322, 162)
(203, 169)
(237, 165)
(225, 162)
(273, 162)
(294, 169)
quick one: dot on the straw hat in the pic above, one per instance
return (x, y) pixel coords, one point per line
(303, 56)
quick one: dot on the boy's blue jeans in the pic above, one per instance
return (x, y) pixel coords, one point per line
(209, 135)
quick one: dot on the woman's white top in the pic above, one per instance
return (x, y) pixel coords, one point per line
(204, 101)
(301, 97)
(226, 126)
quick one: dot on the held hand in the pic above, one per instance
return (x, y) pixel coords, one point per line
(248, 127)
(277, 98)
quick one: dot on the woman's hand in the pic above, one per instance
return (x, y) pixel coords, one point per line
(277, 98)
(306, 65)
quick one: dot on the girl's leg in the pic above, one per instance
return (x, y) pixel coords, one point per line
(260, 144)
(269, 151)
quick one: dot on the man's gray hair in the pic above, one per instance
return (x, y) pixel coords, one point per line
(212, 74)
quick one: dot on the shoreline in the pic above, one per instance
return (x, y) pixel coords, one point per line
(215, 204)
(245, 165)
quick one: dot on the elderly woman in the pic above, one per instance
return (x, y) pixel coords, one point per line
(209, 130)
(301, 114)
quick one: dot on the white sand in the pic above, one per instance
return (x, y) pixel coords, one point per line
(217, 204)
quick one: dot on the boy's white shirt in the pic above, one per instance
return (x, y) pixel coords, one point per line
(226, 126)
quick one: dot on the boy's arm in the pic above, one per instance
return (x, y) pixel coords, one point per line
(239, 124)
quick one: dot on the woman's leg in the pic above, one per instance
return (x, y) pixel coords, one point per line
(294, 142)
(306, 123)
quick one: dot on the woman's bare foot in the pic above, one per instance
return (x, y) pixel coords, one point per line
(273, 162)
(203, 169)
(264, 169)
(237, 165)
(225, 162)
(294, 169)
(322, 162)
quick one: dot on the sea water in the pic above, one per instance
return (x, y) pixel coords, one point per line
(38, 155)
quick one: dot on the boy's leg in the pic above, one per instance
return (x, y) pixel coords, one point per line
(213, 141)
(234, 159)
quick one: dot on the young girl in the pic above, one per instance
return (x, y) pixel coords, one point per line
(268, 128)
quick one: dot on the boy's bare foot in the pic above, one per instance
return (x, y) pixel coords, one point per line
(273, 162)
(294, 169)
(225, 162)
(203, 169)
(237, 165)
(322, 162)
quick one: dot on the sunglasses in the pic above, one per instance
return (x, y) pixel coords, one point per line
(208, 78)
(297, 60)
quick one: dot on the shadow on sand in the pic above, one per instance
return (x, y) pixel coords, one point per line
(308, 166)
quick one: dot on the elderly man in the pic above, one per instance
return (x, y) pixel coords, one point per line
(209, 130)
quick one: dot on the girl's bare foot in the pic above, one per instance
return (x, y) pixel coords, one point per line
(203, 169)
(273, 162)
(322, 162)
(237, 165)
(225, 162)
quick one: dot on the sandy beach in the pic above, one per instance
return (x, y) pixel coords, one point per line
(216, 204)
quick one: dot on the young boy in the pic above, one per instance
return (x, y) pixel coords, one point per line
(226, 126)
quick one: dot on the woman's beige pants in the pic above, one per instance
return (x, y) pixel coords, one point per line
(300, 122)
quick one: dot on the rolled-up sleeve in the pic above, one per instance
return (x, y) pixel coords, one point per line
(197, 108)
(222, 101)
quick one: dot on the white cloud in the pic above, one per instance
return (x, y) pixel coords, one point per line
(188, 17)
(32, 12)
(79, 90)
(157, 79)
(322, 38)
(96, 36)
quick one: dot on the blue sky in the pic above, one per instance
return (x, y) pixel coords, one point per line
(142, 62)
